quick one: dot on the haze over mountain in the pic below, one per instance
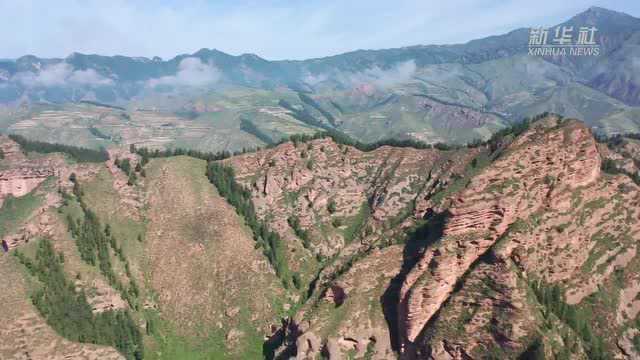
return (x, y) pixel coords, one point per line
(443, 93)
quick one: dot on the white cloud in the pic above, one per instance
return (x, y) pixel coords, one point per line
(60, 74)
(88, 77)
(381, 78)
(191, 72)
(52, 75)
(271, 29)
(315, 79)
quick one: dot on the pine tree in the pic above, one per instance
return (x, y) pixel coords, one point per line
(132, 178)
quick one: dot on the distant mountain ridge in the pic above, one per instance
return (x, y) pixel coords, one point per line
(450, 93)
(249, 69)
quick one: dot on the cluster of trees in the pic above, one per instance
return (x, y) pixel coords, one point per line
(303, 115)
(303, 234)
(609, 166)
(332, 207)
(223, 177)
(125, 166)
(338, 137)
(208, 156)
(617, 139)
(337, 106)
(99, 134)
(550, 296)
(93, 243)
(95, 103)
(344, 139)
(512, 131)
(68, 311)
(188, 114)
(79, 153)
(311, 102)
(248, 126)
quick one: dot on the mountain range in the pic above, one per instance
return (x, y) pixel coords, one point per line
(444, 93)
(229, 207)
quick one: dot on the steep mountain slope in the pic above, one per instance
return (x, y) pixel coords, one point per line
(171, 255)
(534, 253)
(227, 286)
(25, 334)
(329, 200)
(522, 247)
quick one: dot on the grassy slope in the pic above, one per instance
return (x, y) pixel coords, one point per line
(15, 211)
(202, 267)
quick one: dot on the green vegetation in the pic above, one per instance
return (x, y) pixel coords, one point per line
(357, 222)
(514, 130)
(335, 135)
(208, 156)
(604, 242)
(311, 102)
(14, 211)
(337, 106)
(93, 243)
(223, 177)
(249, 127)
(294, 222)
(303, 115)
(171, 346)
(99, 134)
(187, 114)
(78, 153)
(609, 166)
(550, 297)
(125, 166)
(68, 311)
(331, 207)
(636, 342)
(535, 351)
(95, 103)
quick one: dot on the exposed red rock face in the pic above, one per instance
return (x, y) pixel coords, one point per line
(21, 181)
(335, 294)
(361, 327)
(11, 150)
(130, 197)
(302, 180)
(39, 224)
(517, 184)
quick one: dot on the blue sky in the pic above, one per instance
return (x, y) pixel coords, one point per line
(273, 29)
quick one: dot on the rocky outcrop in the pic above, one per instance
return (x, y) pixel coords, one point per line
(25, 333)
(517, 184)
(329, 187)
(11, 151)
(129, 196)
(39, 223)
(21, 181)
(347, 318)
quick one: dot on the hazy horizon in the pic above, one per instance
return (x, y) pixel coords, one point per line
(273, 30)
